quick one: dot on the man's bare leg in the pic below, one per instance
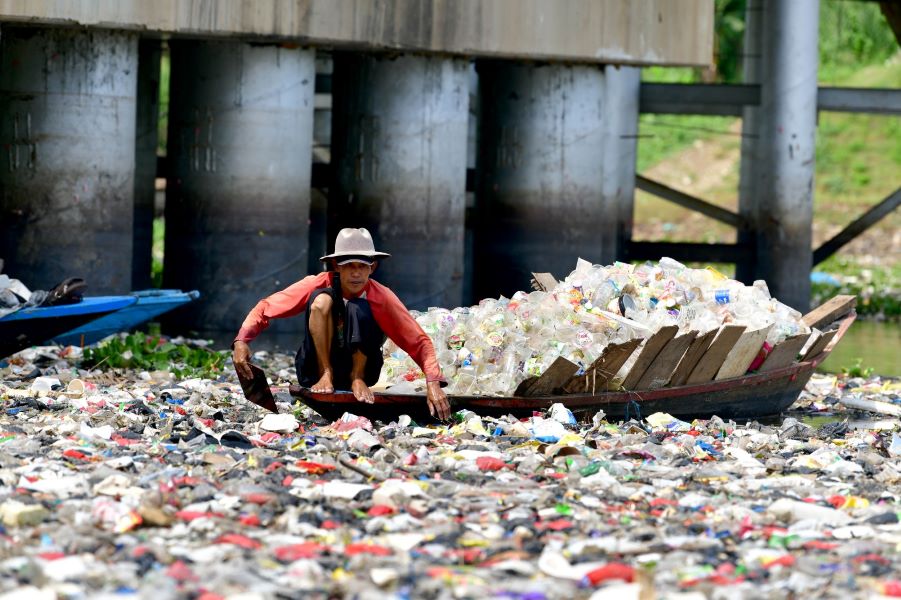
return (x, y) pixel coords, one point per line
(357, 384)
(321, 330)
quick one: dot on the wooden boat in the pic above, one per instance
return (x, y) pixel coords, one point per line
(33, 326)
(148, 305)
(711, 378)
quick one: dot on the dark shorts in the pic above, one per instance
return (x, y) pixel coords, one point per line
(354, 329)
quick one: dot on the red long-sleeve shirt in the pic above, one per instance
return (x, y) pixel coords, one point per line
(389, 312)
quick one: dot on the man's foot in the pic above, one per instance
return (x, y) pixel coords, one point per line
(324, 385)
(362, 392)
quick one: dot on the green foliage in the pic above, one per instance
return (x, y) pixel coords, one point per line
(151, 353)
(876, 288)
(852, 34)
(163, 124)
(729, 31)
(857, 370)
(156, 262)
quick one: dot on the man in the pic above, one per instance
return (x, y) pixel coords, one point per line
(349, 315)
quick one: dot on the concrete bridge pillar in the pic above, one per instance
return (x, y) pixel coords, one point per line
(237, 197)
(67, 134)
(541, 178)
(399, 149)
(787, 148)
(622, 86)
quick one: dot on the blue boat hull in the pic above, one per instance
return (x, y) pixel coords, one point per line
(33, 326)
(149, 305)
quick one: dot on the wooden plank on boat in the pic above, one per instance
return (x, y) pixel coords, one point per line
(692, 356)
(544, 282)
(743, 354)
(663, 367)
(523, 388)
(599, 374)
(716, 354)
(560, 371)
(829, 311)
(784, 353)
(652, 347)
(820, 345)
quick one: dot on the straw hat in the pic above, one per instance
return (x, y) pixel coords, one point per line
(353, 242)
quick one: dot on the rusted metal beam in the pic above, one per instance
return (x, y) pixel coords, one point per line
(730, 99)
(697, 98)
(690, 202)
(878, 101)
(867, 220)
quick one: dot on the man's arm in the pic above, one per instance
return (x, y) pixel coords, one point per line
(291, 301)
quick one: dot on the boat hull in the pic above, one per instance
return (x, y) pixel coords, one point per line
(33, 326)
(149, 305)
(750, 396)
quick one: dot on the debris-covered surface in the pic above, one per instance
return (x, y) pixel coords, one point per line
(134, 483)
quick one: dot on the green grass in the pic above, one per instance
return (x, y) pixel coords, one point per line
(156, 264)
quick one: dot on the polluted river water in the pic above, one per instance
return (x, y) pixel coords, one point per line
(125, 483)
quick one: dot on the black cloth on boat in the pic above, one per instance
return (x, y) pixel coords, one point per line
(354, 328)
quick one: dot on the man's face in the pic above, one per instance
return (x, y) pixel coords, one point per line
(354, 276)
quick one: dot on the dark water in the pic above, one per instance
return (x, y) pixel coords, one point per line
(877, 345)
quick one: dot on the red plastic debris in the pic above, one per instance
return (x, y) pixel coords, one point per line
(250, 520)
(191, 515)
(663, 502)
(51, 555)
(72, 453)
(354, 549)
(490, 463)
(313, 468)
(820, 545)
(299, 551)
(786, 560)
(892, 588)
(181, 572)
(379, 510)
(556, 524)
(273, 466)
(610, 571)
(258, 498)
(236, 539)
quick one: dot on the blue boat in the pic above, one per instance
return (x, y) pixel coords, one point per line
(148, 305)
(33, 326)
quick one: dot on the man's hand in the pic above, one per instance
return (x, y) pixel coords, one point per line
(241, 358)
(437, 399)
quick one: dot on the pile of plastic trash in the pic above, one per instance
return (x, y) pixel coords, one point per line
(490, 348)
(127, 483)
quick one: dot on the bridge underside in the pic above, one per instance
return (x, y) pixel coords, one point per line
(477, 140)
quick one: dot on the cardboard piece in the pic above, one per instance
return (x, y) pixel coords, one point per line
(716, 354)
(820, 345)
(784, 353)
(652, 347)
(257, 390)
(598, 376)
(743, 354)
(663, 367)
(829, 311)
(692, 356)
(560, 371)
